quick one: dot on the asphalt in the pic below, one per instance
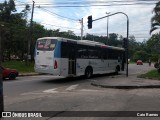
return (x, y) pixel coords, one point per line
(118, 81)
(130, 82)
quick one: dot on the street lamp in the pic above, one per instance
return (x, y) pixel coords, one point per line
(107, 25)
(81, 22)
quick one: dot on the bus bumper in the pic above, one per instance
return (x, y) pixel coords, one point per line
(47, 70)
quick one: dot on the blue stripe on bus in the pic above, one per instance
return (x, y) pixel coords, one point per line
(57, 50)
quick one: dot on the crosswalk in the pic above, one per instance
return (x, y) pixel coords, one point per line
(62, 89)
(72, 87)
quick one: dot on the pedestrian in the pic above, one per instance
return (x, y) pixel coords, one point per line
(149, 62)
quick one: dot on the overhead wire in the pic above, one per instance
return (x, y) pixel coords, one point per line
(52, 13)
(96, 3)
(59, 26)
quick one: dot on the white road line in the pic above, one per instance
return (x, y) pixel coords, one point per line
(31, 93)
(88, 90)
(51, 91)
(72, 87)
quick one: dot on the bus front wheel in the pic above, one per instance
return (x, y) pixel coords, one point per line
(88, 72)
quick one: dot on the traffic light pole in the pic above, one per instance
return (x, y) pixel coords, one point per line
(127, 34)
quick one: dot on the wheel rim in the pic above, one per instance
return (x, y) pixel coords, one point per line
(12, 77)
(88, 73)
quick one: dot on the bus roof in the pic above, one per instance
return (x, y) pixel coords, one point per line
(84, 42)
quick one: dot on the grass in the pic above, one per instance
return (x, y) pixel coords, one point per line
(153, 74)
(20, 66)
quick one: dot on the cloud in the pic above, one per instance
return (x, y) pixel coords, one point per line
(50, 17)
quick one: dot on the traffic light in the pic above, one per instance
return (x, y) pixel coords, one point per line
(125, 42)
(90, 22)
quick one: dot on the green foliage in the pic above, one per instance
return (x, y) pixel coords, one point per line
(20, 66)
(155, 21)
(141, 55)
(151, 75)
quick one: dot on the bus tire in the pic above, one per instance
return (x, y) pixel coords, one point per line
(88, 72)
(117, 70)
(12, 76)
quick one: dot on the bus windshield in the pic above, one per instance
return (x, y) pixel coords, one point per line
(46, 44)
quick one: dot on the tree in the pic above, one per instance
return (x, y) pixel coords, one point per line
(140, 55)
(153, 46)
(155, 21)
(6, 16)
(15, 28)
(113, 39)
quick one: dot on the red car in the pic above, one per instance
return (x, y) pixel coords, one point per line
(139, 62)
(9, 73)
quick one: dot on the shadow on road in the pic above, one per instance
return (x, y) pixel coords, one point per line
(75, 79)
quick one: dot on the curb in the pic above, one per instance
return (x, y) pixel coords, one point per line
(28, 74)
(126, 86)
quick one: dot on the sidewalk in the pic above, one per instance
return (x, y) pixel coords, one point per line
(123, 82)
(28, 74)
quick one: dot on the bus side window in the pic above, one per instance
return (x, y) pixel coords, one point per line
(64, 50)
(82, 51)
(103, 53)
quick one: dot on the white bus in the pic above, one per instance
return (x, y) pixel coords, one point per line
(67, 57)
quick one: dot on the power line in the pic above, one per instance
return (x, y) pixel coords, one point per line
(59, 26)
(97, 2)
(97, 5)
(93, 3)
(52, 13)
(20, 2)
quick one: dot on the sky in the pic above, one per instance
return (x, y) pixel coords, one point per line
(66, 15)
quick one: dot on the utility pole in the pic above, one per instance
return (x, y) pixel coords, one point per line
(1, 81)
(30, 35)
(81, 21)
(107, 25)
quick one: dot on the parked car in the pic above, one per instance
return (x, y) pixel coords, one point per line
(139, 62)
(9, 73)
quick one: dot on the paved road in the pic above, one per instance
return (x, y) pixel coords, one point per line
(48, 93)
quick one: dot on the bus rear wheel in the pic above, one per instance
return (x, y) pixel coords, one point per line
(88, 72)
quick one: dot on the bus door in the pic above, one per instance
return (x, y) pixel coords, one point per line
(123, 61)
(72, 59)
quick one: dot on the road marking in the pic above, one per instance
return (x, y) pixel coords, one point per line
(31, 93)
(72, 87)
(51, 91)
(88, 90)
